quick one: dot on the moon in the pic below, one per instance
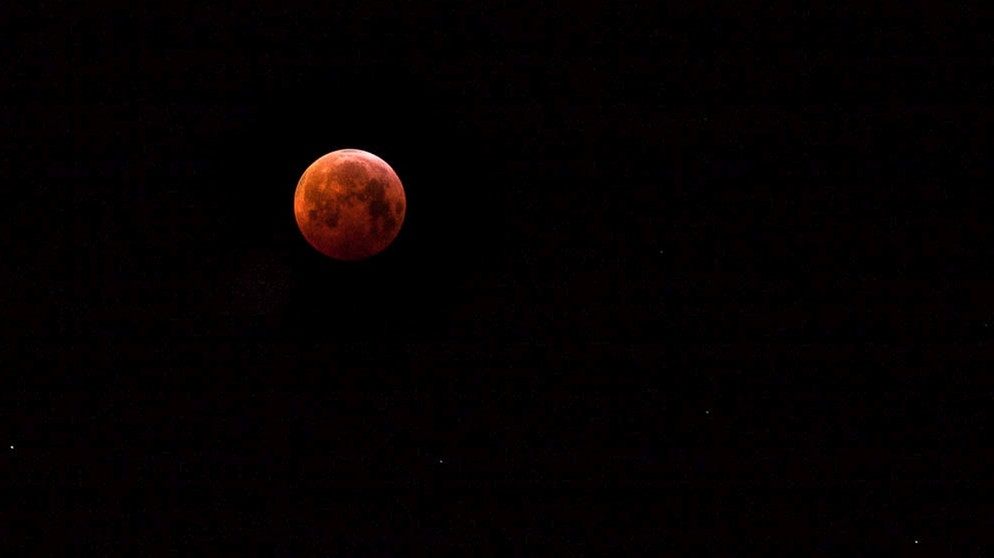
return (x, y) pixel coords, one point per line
(349, 204)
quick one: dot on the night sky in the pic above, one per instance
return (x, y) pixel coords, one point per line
(673, 280)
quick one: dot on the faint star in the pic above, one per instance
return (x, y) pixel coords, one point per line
(440, 461)
(916, 541)
(707, 412)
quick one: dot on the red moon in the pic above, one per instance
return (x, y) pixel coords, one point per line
(349, 204)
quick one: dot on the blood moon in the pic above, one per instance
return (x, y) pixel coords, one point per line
(349, 204)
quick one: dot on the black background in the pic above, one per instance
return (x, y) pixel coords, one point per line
(671, 280)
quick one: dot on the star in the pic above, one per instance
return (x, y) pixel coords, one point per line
(440, 461)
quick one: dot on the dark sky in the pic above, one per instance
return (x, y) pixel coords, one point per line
(672, 281)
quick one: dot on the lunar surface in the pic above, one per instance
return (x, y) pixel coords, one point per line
(349, 204)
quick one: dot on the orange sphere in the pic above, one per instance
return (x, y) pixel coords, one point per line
(349, 204)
